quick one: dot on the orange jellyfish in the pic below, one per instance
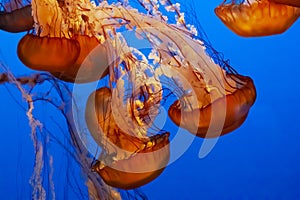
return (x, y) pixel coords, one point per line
(136, 160)
(16, 16)
(214, 114)
(257, 17)
(60, 49)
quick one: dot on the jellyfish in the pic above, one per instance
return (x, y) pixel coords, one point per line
(125, 171)
(257, 18)
(212, 115)
(143, 167)
(15, 16)
(61, 48)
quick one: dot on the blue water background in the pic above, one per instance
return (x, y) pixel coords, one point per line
(260, 160)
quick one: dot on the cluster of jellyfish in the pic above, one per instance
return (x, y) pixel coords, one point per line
(80, 41)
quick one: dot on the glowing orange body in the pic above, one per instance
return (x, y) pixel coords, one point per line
(120, 174)
(91, 63)
(237, 105)
(48, 54)
(143, 165)
(64, 57)
(259, 18)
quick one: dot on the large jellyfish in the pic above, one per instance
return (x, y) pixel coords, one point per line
(257, 17)
(82, 42)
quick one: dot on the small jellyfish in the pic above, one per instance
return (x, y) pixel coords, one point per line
(136, 160)
(15, 16)
(257, 17)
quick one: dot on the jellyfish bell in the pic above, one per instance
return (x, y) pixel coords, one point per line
(82, 59)
(91, 64)
(65, 57)
(16, 17)
(50, 54)
(137, 160)
(141, 168)
(295, 3)
(214, 114)
(257, 17)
